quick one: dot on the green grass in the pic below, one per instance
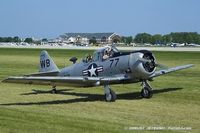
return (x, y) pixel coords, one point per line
(176, 102)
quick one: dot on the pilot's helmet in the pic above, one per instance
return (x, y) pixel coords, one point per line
(108, 49)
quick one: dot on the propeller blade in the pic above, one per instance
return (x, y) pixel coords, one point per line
(161, 66)
(156, 64)
(144, 60)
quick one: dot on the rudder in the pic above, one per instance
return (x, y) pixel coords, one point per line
(46, 63)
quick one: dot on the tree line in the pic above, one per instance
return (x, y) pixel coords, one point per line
(175, 37)
(16, 39)
(140, 38)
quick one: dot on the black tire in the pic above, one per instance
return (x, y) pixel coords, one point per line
(146, 92)
(113, 96)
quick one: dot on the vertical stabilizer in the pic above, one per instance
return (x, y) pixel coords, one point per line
(46, 63)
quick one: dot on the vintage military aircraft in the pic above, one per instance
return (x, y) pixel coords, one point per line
(107, 66)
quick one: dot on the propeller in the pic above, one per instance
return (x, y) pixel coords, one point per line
(161, 66)
(143, 60)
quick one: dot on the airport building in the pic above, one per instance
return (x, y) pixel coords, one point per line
(89, 38)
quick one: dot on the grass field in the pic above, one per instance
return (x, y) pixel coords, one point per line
(32, 108)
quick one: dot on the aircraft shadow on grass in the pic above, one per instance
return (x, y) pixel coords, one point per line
(84, 97)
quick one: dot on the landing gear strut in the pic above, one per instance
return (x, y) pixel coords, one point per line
(146, 90)
(110, 95)
(54, 91)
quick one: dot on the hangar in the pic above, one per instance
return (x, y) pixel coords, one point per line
(89, 38)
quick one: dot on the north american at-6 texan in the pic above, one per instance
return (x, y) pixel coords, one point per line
(107, 66)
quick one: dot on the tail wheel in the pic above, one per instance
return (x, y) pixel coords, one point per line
(53, 91)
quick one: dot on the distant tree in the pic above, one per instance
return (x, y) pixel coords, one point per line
(28, 40)
(156, 39)
(3, 39)
(123, 39)
(185, 37)
(16, 39)
(198, 39)
(44, 40)
(8, 39)
(166, 39)
(142, 38)
(177, 37)
(127, 40)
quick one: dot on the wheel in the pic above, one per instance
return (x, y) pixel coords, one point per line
(114, 96)
(146, 92)
(111, 97)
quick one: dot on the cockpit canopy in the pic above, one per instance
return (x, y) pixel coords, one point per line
(105, 53)
(102, 54)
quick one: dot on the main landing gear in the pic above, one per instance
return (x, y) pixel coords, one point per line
(146, 91)
(110, 95)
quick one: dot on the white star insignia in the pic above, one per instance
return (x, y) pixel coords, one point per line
(92, 71)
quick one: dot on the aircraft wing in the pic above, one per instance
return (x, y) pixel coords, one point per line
(59, 80)
(50, 73)
(83, 81)
(165, 71)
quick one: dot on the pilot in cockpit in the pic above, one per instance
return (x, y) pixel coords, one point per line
(89, 58)
(107, 53)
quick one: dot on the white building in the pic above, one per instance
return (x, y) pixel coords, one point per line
(86, 38)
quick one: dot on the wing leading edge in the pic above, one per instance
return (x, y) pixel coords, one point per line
(58, 80)
(165, 71)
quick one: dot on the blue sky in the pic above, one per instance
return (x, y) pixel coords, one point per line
(50, 18)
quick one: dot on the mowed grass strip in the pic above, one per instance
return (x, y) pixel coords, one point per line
(32, 108)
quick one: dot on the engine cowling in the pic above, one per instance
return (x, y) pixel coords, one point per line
(142, 64)
(149, 65)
